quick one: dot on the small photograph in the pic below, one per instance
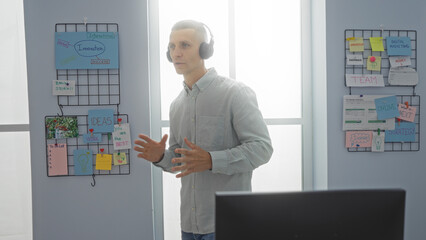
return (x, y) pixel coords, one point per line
(61, 127)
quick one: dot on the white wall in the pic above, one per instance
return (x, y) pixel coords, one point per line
(374, 170)
(118, 207)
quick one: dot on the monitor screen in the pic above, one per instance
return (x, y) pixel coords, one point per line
(316, 215)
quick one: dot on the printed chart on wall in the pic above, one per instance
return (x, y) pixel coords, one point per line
(376, 60)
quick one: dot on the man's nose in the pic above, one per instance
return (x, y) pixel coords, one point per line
(176, 53)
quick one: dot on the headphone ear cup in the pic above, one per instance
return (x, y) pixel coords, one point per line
(168, 55)
(206, 50)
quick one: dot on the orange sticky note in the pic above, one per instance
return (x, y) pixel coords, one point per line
(103, 161)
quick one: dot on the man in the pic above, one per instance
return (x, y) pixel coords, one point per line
(217, 133)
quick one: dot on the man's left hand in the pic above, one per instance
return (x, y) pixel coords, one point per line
(194, 160)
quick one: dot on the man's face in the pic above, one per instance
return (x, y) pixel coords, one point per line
(184, 46)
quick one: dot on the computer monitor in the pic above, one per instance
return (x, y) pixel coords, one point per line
(315, 215)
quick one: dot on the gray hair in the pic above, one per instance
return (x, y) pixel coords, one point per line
(199, 28)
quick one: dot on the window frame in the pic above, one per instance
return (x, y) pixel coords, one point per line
(156, 123)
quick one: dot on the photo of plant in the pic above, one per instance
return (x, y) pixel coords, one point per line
(61, 127)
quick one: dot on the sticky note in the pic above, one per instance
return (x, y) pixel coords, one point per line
(398, 46)
(63, 87)
(120, 158)
(386, 107)
(57, 159)
(407, 114)
(378, 143)
(103, 161)
(400, 61)
(101, 120)
(364, 80)
(121, 136)
(404, 132)
(377, 44)
(356, 45)
(358, 139)
(354, 59)
(92, 138)
(374, 63)
(83, 162)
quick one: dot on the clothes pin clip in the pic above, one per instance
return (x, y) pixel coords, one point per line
(119, 121)
(361, 95)
(102, 152)
(399, 121)
(381, 28)
(118, 153)
(85, 21)
(406, 104)
(378, 131)
(91, 132)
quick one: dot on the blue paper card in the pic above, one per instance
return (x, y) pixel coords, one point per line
(92, 138)
(398, 46)
(83, 163)
(86, 50)
(386, 107)
(404, 132)
(101, 120)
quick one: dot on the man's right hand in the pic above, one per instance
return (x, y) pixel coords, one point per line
(149, 149)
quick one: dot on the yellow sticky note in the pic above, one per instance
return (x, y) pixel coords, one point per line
(377, 44)
(356, 44)
(120, 158)
(103, 161)
(374, 63)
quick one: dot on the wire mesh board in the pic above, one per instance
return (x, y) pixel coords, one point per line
(93, 87)
(401, 146)
(71, 138)
(385, 64)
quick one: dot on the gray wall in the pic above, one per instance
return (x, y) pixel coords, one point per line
(370, 170)
(118, 207)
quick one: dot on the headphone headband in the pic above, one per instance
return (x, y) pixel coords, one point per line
(206, 49)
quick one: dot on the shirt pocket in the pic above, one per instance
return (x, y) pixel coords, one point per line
(210, 132)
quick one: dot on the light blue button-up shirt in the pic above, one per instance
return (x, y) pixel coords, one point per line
(221, 116)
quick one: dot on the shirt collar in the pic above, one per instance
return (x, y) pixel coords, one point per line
(204, 82)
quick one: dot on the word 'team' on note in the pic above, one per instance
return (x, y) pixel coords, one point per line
(364, 80)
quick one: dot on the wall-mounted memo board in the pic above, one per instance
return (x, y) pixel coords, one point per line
(73, 140)
(362, 70)
(366, 34)
(93, 87)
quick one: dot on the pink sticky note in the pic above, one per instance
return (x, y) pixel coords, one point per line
(358, 139)
(57, 159)
(407, 114)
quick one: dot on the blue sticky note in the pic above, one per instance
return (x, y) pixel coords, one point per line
(92, 138)
(404, 132)
(83, 163)
(398, 46)
(386, 107)
(101, 120)
(86, 50)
